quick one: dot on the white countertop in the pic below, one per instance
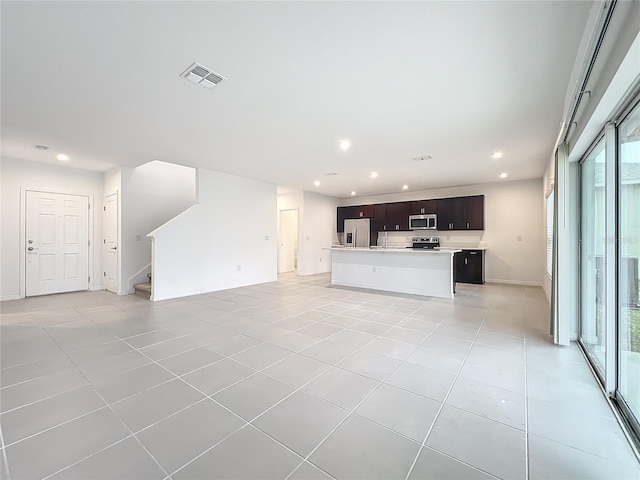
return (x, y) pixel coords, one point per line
(418, 251)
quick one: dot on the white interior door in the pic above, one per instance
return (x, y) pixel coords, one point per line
(57, 243)
(111, 242)
(288, 241)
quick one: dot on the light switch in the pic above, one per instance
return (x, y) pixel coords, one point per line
(519, 238)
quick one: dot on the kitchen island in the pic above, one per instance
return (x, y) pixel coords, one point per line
(403, 270)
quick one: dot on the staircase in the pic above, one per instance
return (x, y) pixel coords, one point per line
(144, 289)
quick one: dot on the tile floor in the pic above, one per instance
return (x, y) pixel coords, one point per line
(298, 380)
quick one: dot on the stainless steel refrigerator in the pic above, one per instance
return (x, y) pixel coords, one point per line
(357, 232)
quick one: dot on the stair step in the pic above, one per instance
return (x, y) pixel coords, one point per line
(143, 289)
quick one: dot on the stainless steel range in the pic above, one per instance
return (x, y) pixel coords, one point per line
(425, 242)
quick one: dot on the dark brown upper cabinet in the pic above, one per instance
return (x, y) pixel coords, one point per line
(475, 212)
(461, 213)
(379, 216)
(397, 217)
(363, 211)
(358, 211)
(423, 207)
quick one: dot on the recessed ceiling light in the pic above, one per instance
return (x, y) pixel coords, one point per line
(353, 193)
(41, 147)
(496, 155)
(316, 183)
(62, 157)
(504, 175)
(344, 145)
(374, 174)
(405, 187)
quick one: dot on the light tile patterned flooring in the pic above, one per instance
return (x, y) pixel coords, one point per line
(298, 380)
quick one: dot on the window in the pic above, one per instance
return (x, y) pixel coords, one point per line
(628, 258)
(593, 294)
(549, 232)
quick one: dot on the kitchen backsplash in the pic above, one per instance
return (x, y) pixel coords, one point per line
(447, 239)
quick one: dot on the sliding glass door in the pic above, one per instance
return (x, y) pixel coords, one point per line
(592, 256)
(628, 255)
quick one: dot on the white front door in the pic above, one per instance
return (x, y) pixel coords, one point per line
(288, 240)
(111, 242)
(57, 243)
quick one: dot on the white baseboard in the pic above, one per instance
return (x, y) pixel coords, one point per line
(513, 282)
(312, 273)
(172, 296)
(6, 298)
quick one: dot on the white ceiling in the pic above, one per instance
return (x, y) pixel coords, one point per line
(455, 80)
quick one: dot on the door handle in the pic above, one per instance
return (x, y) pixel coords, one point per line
(30, 241)
(30, 249)
(113, 248)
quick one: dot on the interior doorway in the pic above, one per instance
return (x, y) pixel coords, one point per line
(56, 243)
(110, 243)
(288, 241)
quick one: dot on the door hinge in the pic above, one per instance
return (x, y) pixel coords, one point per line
(104, 274)
(104, 240)
(89, 206)
(89, 242)
(104, 209)
(89, 278)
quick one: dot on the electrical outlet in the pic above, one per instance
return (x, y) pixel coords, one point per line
(266, 237)
(374, 269)
(239, 268)
(138, 238)
(320, 259)
(519, 238)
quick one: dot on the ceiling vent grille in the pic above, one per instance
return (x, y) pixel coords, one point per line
(422, 158)
(330, 174)
(196, 73)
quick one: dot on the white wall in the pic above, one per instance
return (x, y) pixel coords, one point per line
(21, 174)
(318, 233)
(152, 194)
(233, 226)
(512, 210)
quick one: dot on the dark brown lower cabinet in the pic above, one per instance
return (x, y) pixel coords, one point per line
(469, 266)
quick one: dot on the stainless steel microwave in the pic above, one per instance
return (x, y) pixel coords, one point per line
(423, 222)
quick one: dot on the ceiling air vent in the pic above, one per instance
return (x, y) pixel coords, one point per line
(422, 158)
(196, 73)
(330, 174)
